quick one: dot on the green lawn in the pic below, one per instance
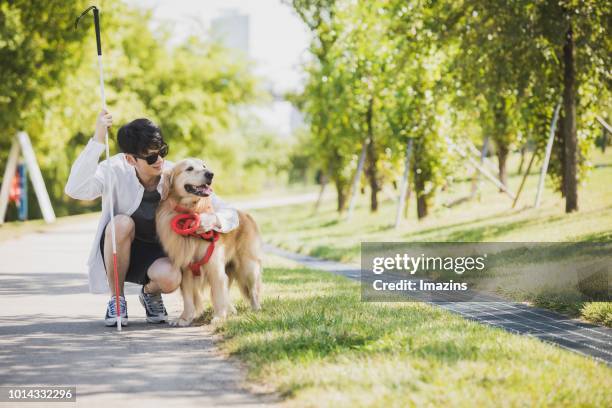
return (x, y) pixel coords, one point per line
(489, 218)
(318, 344)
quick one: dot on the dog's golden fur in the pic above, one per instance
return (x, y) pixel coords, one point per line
(237, 254)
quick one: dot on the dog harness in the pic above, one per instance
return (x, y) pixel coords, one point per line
(186, 224)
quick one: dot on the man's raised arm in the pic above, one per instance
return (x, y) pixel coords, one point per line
(86, 179)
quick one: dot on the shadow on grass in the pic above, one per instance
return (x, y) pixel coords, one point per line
(495, 216)
(476, 234)
(338, 253)
(492, 231)
(486, 231)
(605, 236)
(335, 253)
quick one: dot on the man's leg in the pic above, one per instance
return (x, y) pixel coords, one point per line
(124, 233)
(164, 277)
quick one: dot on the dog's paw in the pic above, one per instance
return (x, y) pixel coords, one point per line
(180, 322)
(255, 306)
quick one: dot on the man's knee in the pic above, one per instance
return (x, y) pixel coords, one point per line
(170, 282)
(124, 228)
(165, 275)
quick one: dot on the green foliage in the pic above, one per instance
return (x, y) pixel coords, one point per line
(511, 68)
(194, 91)
(464, 69)
(38, 48)
(598, 312)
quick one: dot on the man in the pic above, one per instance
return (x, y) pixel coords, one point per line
(137, 180)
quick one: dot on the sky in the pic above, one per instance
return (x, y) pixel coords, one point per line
(278, 38)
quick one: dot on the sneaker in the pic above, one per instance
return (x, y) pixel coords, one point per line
(154, 306)
(111, 314)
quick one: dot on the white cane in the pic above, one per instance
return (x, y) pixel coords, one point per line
(109, 179)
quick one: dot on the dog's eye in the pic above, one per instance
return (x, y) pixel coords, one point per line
(189, 168)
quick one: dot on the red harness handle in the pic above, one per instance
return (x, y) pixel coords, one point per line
(187, 225)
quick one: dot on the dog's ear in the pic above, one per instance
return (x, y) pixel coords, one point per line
(167, 177)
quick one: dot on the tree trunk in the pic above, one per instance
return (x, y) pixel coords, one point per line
(407, 206)
(569, 125)
(522, 162)
(322, 180)
(372, 159)
(560, 152)
(335, 173)
(422, 206)
(372, 175)
(502, 156)
(405, 185)
(357, 179)
(341, 193)
(418, 174)
(419, 186)
(500, 137)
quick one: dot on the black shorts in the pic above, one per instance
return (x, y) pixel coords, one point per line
(142, 256)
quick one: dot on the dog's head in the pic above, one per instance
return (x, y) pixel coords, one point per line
(189, 178)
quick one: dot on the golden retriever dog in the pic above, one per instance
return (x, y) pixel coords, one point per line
(236, 255)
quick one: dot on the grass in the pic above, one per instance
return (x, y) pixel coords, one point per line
(489, 218)
(318, 344)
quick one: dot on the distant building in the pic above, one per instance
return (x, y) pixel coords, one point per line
(232, 30)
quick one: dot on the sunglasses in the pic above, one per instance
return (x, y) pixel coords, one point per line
(151, 159)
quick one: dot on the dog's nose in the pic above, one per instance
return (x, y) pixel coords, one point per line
(209, 174)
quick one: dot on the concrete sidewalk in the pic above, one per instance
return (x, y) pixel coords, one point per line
(52, 333)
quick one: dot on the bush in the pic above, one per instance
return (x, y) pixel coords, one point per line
(598, 312)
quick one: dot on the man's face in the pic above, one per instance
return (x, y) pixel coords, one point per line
(143, 168)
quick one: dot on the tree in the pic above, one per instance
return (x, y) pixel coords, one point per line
(38, 48)
(388, 71)
(319, 104)
(544, 60)
(192, 90)
(418, 102)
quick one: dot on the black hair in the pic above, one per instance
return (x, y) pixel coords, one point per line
(139, 136)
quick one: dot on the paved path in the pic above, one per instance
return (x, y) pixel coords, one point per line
(52, 332)
(281, 201)
(583, 338)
